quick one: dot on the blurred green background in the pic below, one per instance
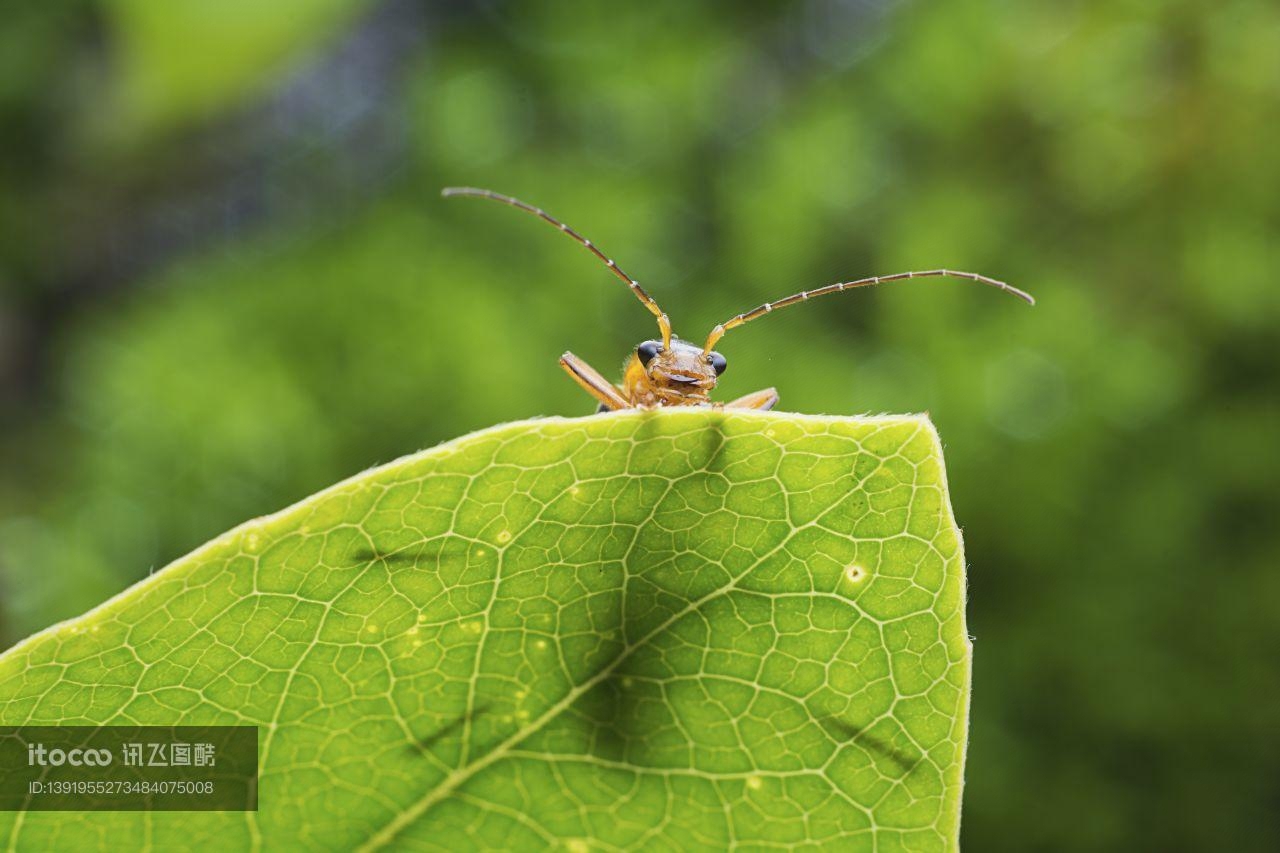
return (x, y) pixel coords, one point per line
(227, 280)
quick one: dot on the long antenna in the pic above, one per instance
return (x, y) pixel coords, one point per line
(805, 295)
(663, 323)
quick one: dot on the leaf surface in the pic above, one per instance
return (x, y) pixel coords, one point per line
(674, 629)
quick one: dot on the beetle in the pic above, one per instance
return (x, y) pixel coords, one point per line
(668, 371)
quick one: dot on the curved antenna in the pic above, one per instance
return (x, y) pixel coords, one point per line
(805, 295)
(663, 323)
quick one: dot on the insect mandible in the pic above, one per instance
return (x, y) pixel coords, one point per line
(668, 371)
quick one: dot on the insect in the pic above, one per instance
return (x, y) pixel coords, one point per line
(668, 371)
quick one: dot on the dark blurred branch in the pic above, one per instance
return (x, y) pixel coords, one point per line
(329, 134)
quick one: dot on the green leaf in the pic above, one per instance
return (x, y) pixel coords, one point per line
(683, 628)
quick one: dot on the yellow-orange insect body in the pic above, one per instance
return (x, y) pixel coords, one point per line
(672, 372)
(677, 375)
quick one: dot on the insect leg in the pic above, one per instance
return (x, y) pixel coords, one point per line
(763, 400)
(592, 382)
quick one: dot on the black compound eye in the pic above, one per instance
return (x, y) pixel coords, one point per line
(718, 364)
(648, 351)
